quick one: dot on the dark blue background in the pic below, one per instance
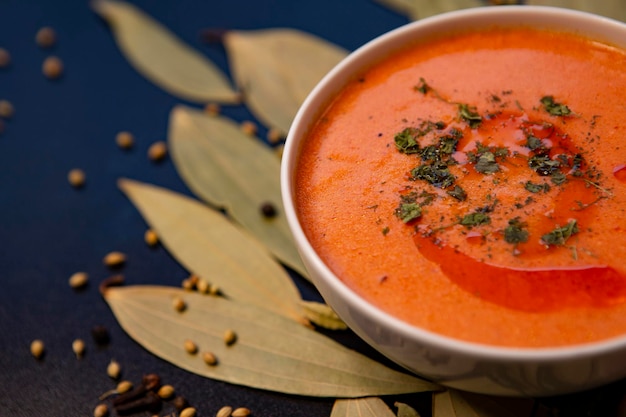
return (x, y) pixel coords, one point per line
(48, 230)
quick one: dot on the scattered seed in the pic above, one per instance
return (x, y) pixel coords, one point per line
(46, 37)
(212, 109)
(214, 289)
(114, 370)
(188, 412)
(209, 358)
(100, 335)
(76, 177)
(268, 210)
(166, 392)
(179, 304)
(114, 259)
(78, 346)
(180, 403)
(151, 238)
(52, 67)
(157, 151)
(37, 348)
(225, 411)
(79, 280)
(275, 135)
(248, 127)
(148, 402)
(101, 410)
(6, 109)
(203, 286)
(230, 337)
(241, 412)
(188, 285)
(124, 386)
(5, 58)
(125, 140)
(191, 347)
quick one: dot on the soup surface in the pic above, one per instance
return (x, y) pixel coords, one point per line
(475, 186)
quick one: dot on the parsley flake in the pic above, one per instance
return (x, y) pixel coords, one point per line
(554, 108)
(408, 212)
(515, 233)
(475, 219)
(560, 235)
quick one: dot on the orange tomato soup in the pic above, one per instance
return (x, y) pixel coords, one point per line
(475, 186)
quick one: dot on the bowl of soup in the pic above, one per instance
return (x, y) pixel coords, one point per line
(457, 191)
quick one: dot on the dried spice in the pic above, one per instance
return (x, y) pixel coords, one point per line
(151, 238)
(190, 347)
(5, 58)
(209, 358)
(179, 304)
(361, 407)
(188, 412)
(52, 67)
(166, 392)
(78, 280)
(76, 177)
(157, 151)
(125, 140)
(225, 411)
(114, 259)
(249, 127)
(241, 412)
(46, 37)
(100, 335)
(114, 369)
(37, 348)
(230, 337)
(560, 235)
(78, 347)
(101, 410)
(6, 109)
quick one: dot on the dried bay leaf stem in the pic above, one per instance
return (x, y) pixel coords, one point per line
(212, 247)
(162, 57)
(272, 352)
(231, 170)
(361, 407)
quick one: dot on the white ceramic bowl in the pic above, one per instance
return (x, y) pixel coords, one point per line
(451, 362)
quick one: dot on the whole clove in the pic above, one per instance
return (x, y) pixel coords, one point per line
(150, 402)
(149, 383)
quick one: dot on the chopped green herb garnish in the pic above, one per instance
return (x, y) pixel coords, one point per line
(543, 165)
(438, 175)
(408, 212)
(447, 144)
(422, 87)
(385, 231)
(536, 188)
(554, 108)
(475, 219)
(515, 232)
(558, 178)
(486, 163)
(406, 141)
(560, 235)
(470, 115)
(533, 142)
(458, 193)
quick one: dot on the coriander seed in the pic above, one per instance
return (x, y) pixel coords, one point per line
(241, 412)
(124, 386)
(114, 370)
(78, 347)
(230, 337)
(5, 58)
(76, 177)
(37, 348)
(6, 109)
(188, 412)
(212, 109)
(46, 37)
(166, 392)
(179, 304)
(225, 411)
(157, 151)
(52, 67)
(114, 259)
(214, 289)
(101, 410)
(275, 135)
(151, 238)
(203, 286)
(190, 347)
(248, 127)
(78, 280)
(180, 403)
(125, 140)
(209, 358)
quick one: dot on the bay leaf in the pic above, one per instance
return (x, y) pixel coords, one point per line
(212, 247)
(454, 403)
(614, 9)
(277, 68)
(271, 352)
(361, 407)
(405, 410)
(419, 9)
(162, 57)
(233, 171)
(322, 315)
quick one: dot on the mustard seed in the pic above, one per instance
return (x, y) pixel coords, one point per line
(179, 304)
(114, 370)
(114, 259)
(188, 412)
(248, 127)
(190, 347)
(212, 109)
(230, 337)
(46, 37)
(209, 358)
(125, 140)
(78, 347)
(5, 58)
(76, 177)
(37, 348)
(52, 67)
(241, 412)
(101, 410)
(225, 411)
(78, 280)
(157, 151)
(166, 392)
(6, 109)
(151, 238)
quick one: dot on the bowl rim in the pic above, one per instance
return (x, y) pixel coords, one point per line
(598, 27)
